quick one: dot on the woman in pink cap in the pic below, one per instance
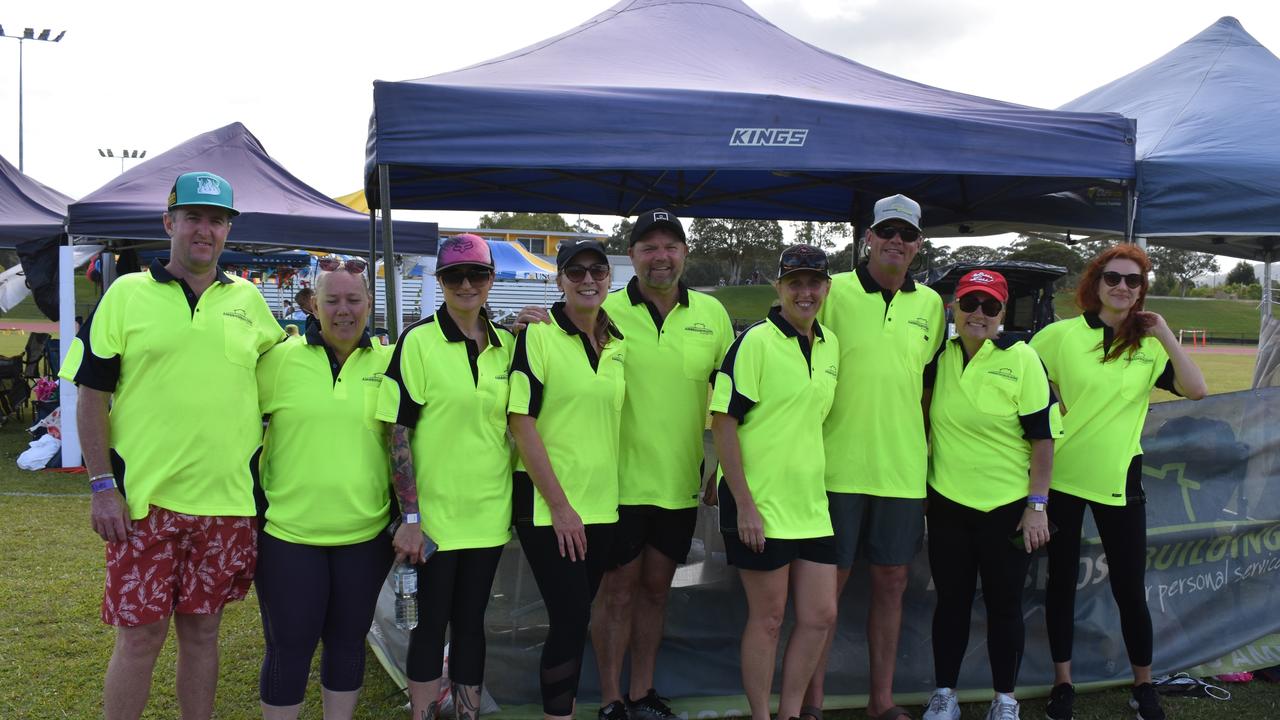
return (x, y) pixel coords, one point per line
(992, 422)
(446, 402)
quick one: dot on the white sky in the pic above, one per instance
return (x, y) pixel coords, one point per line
(148, 75)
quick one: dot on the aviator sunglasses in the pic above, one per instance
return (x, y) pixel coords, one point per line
(1132, 280)
(453, 277)
(576, 273)
(886, 232)
(991, 307)
(329, 263)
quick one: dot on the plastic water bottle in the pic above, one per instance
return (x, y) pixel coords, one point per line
(404, 582)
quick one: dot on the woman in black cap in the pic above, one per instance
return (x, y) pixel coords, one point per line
(564, 412)
(772, 393)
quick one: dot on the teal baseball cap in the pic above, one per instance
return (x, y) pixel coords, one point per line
(202, 188)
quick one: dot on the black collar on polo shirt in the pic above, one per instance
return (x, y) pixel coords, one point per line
(870, 285)
(314, 337)
(161, 274)
(562, 319)
(789, 330)
(1001, 341)
(636, 298)
(453, 333)
(1094, 320)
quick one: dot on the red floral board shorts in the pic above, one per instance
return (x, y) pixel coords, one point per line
(190, 564)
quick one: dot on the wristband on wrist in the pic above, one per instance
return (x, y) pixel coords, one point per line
(99, 483)
(1038, 499)
(411, 517)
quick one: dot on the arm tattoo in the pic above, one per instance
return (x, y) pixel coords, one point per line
(466, 702)
(406, 481)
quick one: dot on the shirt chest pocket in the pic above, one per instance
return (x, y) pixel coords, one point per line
(997, 395)
(239, 341)
(1133, 377)
(699, 355)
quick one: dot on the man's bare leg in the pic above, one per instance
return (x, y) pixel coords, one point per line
(128, 683)
(648, 618)
(884, 621)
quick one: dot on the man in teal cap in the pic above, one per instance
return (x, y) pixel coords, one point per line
(168, 418)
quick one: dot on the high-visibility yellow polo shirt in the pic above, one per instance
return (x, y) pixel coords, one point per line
(325, 468)
(576, 399)
(875, 433)
(1104, 404)
(184, 418)
(453, 396)
(669, 365)
(984, 412)
(780, 390)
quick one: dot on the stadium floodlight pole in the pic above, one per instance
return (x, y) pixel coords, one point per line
(124, 155)
(27, 34)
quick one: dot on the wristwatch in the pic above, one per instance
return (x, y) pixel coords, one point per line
(411, 518)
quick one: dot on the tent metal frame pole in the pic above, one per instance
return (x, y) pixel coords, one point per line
(1267, 257)
(1130, 210)
(388, 251)
(373, 269)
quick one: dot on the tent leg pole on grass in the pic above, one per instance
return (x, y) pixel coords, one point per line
(67, 331)
(388, 251)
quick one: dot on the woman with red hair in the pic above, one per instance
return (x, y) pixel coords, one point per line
(1104, 364)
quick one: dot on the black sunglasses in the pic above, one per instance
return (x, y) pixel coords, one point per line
(991, 307)
(576, 273)
(1132, 280)
(329, 263)
(886, 232)
(453, 277)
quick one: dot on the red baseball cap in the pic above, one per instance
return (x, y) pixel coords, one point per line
(988, 281)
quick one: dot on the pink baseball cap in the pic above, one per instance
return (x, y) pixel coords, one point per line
(464, 249)
(988, 281)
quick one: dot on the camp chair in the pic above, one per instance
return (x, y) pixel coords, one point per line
(19, 373)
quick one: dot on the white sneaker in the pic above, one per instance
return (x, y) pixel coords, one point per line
(1003, 710)
(942, 706)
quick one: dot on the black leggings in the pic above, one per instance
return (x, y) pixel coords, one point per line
(455, 588)
(309, 593)
(1123, 530)
(567, 588)
(963, 544)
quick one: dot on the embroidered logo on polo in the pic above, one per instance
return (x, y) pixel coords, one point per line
(501, 377)
(831, 370)
(1142, 357)
(699, 328)
(374, 378)
(1005, 373)
(239, 314)
(616, 357)
(920, 322)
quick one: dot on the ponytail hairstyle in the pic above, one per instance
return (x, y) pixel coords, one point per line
(1131, 331)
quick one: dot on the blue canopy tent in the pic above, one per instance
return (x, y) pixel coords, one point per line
(29, 210)
(710, 109)
(276, 209)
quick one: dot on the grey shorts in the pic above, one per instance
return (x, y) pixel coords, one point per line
(885, 530)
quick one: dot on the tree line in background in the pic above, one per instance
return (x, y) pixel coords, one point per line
(735, 252)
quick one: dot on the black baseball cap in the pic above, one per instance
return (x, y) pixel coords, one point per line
(655, 219)
(803, 257)
(570, 248)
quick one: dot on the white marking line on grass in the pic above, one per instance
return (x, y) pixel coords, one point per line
(36, 494)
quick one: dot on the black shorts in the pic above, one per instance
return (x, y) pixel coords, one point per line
(670, 532)
(778, 553)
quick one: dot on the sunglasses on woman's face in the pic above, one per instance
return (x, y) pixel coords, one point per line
(1132, 280)
(886, 232)
(329, 263)
(991, 307)
(576, 273)
(452, 279)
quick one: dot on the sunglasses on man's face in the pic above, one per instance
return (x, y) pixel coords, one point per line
(329, 263)
(991, 307)
(886, 232)
(1132, 280)
(452, 279)
(576, 273)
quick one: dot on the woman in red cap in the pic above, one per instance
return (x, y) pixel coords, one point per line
(446, 398)
(1105, 363)
(992, 423)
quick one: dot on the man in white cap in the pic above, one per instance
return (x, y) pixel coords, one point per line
(165, 368)
(890, 328)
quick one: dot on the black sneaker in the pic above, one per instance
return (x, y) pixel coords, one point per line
(1146, 701)
(1062, 700)
(649, 707)
(616, 710)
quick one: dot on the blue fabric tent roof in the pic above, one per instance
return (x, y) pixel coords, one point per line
(1208, 151)
(709, 108)
(276, 208)
(28, 209)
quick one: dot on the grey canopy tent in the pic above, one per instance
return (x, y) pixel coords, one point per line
(31, 222)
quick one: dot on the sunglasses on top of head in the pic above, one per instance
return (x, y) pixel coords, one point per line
(1132, 280)
(329, 263)
(576, 273)
(991, 307)
(453, 277)
(886, 232)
